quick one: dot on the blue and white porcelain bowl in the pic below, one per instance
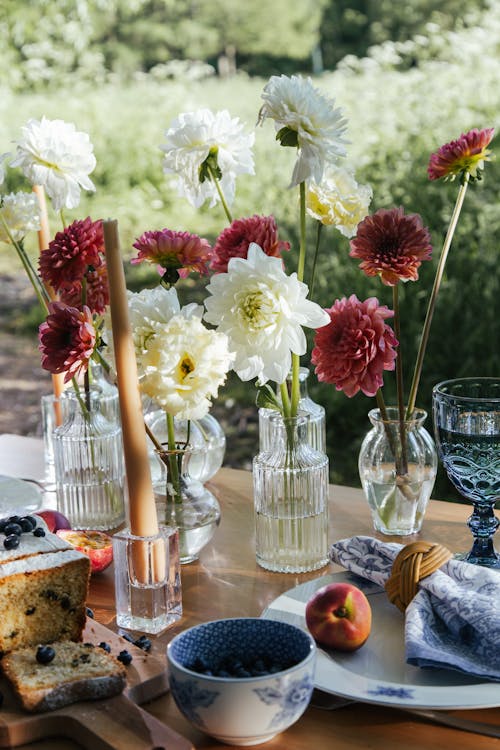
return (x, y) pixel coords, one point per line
(251, 708)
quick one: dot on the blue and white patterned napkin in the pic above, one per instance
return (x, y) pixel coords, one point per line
(453, 622)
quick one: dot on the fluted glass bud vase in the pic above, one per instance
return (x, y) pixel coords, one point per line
(89, 465)
(290, 484)
(397, 468)
(316, 427)
(185, 503)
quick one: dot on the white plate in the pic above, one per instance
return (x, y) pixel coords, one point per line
(378, 672)
(16, 494)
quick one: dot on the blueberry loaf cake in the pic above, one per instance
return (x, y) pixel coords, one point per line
(43, 585)
(49, 677)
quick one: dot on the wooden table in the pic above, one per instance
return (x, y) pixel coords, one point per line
(226, 582)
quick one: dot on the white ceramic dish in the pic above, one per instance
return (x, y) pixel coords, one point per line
(16, 494)
(378, 672)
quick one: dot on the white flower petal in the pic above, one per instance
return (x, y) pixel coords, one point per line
(262, 311)
(52, 153)
(188, 142)
(294, 103)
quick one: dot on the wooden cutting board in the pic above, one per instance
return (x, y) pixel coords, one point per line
(111, 724)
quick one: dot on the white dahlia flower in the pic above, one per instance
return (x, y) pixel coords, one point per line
(338, 200)
(183, 365)
(262, 311)
(21, 213)
(53, 153)
(304, 118)
(192, 138)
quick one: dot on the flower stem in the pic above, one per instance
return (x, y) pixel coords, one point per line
(216, 182)
(302, 246)
(432, 300)
(315, 259)
(401, 466)
(173, 456)
(63, 219)
(285, 400)
(28, 267)
(295, 395)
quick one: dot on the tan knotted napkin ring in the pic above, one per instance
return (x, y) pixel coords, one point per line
(415, 561)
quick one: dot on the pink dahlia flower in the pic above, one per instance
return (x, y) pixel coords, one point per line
(67, 340)
(354, 349)
(71, 252)
(391, 245)
(467, 154)
(96, 292)
(234, 241)
(182, 251)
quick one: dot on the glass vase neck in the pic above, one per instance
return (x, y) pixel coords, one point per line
(392, 417)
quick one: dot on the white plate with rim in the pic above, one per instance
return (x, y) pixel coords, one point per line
(17, 494)
(378, 672)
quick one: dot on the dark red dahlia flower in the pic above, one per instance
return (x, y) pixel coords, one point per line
(354, 349)
(466, 154)
(71, 252)
(67, 340)
(97, 291)
(391, 245)
(233, 242)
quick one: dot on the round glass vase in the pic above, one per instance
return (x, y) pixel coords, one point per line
(185, 503)
(316, 426)
(290, 486)
(89, 465)
(397, 467)
(205, 435)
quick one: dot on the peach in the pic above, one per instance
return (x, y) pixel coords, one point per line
(339, 617)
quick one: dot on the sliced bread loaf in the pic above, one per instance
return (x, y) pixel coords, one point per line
(76, 672)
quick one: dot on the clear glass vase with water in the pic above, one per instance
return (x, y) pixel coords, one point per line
(290, 483)
(89, 464)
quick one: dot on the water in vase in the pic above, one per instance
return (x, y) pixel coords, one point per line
(290, 544)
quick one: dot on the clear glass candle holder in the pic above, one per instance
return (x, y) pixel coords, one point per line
(147, 580)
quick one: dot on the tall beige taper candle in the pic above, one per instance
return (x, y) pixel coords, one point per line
(142, 510)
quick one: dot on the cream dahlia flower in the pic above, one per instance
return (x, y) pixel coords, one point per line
(304, 118)
(21, 213)
(262, 311)
(54, 154)
(338, 200)
(183, 365)
(192, 138)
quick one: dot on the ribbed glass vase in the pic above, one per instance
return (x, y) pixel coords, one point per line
(290, 484)
(316, 427)
(89, 465)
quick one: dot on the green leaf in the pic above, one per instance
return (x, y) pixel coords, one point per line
(210, 166)
(287, 137)
(267, 399)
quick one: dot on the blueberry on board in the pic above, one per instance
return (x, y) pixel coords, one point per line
(3, 524)
(45, 654)
(125, 657)
(39, 531)
(13, 528)
(27, 523)
(11, 541)
(89, 612)
(143, 642)
(105, 647)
